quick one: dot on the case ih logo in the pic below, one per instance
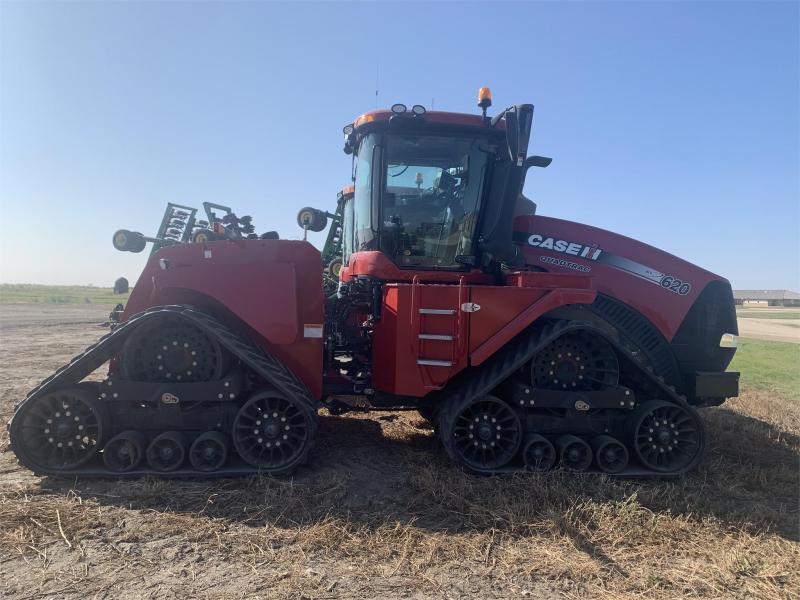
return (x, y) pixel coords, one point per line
(572, 248)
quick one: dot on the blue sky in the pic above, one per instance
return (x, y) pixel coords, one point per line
(672, 122)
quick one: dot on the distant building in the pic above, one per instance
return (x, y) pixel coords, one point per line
(766, 298)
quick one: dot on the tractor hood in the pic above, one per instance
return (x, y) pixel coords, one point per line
(660, 286)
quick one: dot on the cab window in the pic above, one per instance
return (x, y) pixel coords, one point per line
(362, 231)
(431, 199)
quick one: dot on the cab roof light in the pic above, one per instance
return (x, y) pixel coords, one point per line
(484, 99)
(399, 108)
(418, 110)
(348, 131)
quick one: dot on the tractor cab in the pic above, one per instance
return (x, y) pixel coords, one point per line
(434, 191)
(419, 190)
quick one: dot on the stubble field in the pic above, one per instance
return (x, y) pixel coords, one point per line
(380, 512)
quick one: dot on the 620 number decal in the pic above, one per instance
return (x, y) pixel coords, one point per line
(673, 284)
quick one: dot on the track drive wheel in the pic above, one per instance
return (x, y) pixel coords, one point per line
(273, 432)
(172, 350)
(482, 435)
(59, 431)
(667, 437)
(579, 360)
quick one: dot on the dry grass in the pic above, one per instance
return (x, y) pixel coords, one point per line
(730, 531)
(382, 513)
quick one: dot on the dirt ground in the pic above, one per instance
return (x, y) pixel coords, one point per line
(381, 513)
(774, 330)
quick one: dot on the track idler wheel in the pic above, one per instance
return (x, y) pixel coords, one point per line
(167, 451)
(539, 454)
(124, 451)
(667, 437)
(274, 433)
(610, 454)
(58, 431)
(209, 451)
(483, 435)
(575, 454)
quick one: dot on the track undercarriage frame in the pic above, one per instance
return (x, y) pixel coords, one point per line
(491, 419)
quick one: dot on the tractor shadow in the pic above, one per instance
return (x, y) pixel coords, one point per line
(368, 471)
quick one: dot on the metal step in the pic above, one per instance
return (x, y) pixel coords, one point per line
(434, 363)
(436, 336)
(437, 311)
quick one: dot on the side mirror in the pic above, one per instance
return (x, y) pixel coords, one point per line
(537, 161)
(533, 161)
(509, 174)
(518, 132)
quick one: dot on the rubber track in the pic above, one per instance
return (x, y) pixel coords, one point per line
(480, 382)
(266, 365)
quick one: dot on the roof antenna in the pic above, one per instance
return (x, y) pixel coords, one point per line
(433, 103)
(377, 73)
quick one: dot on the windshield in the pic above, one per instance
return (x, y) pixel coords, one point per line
(431, 198)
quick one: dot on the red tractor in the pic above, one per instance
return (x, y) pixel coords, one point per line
(529, 342)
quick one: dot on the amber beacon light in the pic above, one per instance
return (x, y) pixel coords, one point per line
(484, 98)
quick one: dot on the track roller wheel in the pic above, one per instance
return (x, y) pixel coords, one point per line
(273, 432)
(124, 451)
(58, 431)
(483, 435)
(539, 454)
(610, 454)
(172, 350)
(575, 454)
(209, 451)
(667, 437)
(167, 451)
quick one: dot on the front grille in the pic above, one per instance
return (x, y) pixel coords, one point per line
(696, 344)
